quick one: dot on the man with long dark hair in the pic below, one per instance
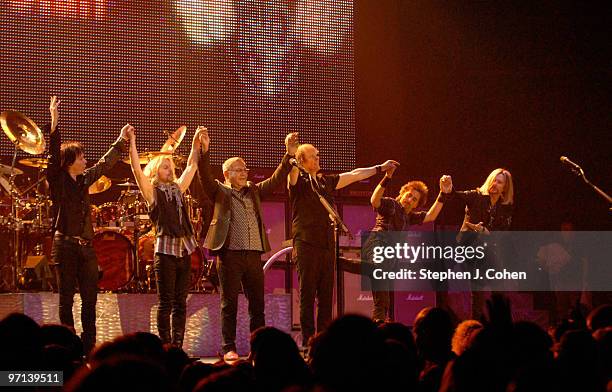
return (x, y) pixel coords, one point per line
(72, 250)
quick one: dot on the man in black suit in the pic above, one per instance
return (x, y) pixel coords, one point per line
(238, 237)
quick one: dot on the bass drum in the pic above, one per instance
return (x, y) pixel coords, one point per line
(146, 256)
(115, 259)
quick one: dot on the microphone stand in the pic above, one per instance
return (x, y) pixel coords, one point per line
(580, 173)
(41, 179)
(339, 229)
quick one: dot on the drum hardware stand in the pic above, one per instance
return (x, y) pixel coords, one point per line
(140, 284)
(40, 202)
(27, 136)
(15, 223)
(149, 271)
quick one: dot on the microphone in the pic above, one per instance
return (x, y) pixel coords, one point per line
(293, 162)
(571, 164)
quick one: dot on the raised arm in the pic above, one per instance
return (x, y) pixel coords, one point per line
(144, 183)
(293, 176)
(55, 141)
(109, 159)
(362, 173)
(209, 184)
(446, 187)
(467, 197)
(192, 162)
(267, 186)
(53, 109)
(294, 143)
(379, 191)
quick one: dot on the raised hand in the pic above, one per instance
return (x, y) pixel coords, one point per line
(128, 132)
(389, 164)
(292, 143)
(197, 137)
(390, 171)
(202, 133)
(446, 184)
(54, 112)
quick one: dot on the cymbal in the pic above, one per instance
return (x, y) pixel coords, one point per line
(101, 185)
(147, 156)
(175, 138)
(127, 183)
(35, 162)
(23, 132)
(179, 159)
(6, 169)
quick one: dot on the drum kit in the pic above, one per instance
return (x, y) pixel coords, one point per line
(123, 239)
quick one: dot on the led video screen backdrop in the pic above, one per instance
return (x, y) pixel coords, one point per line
(251, 71)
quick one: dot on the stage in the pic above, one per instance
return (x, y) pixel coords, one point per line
(120, 314)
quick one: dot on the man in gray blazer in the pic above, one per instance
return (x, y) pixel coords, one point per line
(238, 237)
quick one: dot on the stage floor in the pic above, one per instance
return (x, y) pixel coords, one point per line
(119, 314)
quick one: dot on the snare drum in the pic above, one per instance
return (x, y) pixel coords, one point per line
(137, 210)
(115, 258)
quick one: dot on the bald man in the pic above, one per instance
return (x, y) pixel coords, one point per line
(238, 237)
(313, 236)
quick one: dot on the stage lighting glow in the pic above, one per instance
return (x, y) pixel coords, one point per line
(264, 58)
(206, 22)
(72, 9)
(250, 70)
(324, 25)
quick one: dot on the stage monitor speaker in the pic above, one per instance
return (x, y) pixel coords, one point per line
(36, 274)
(407, 304)
(356, 300)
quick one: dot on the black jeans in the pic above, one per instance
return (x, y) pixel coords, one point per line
(172, 276)
(316, 279)
(382, 303)
(77, 263)
(236, 267)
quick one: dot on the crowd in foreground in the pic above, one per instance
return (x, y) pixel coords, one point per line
(353, 354)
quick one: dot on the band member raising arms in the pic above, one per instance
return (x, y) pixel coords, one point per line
(238, 237)
(174, 235)
(397, 215)
(72, 248)
(313, 236)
